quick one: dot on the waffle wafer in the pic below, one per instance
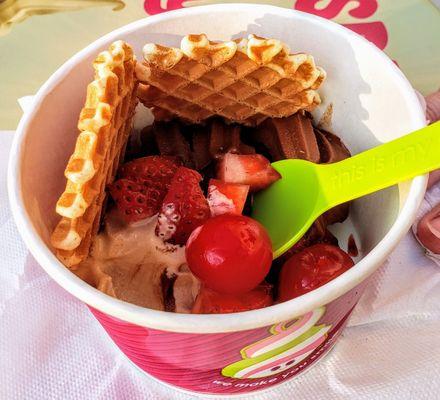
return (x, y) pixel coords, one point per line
(104, 125)
(244, 81)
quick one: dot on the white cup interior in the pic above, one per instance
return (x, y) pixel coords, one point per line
(372, 103)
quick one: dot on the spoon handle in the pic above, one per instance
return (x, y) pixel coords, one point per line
(388, 164)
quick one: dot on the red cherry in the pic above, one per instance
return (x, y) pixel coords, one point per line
(230, 254)
(311, 268)
(210, 302)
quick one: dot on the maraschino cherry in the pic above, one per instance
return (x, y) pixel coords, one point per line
(230, 254)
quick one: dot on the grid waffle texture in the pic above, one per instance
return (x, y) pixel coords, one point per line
(244, 81)
(104, 126)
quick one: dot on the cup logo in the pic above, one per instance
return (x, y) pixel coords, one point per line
(289, 343)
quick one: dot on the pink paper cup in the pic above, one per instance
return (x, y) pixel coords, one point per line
(372, 102)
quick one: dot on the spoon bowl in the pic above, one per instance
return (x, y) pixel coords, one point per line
(306, 190)
(289, 202)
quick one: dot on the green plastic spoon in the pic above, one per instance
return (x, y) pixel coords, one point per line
(290, 206)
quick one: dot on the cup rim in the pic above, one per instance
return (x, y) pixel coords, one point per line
(209, 323)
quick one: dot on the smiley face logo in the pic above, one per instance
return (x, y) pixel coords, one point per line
(289, 343)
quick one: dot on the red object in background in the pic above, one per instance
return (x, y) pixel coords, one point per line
(311, 268)
(210, 302)
(230, 254)
(155, 7)
(375, 32)
(364, 8)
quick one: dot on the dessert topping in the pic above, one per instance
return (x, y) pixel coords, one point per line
(184, 207)
(226, 198)
(142, 186)
(253, 170)
(210, 302)
(230, 254)
(311, 268)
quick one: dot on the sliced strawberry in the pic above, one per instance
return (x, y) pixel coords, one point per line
(134, 201)
(152, 171)
(210, 302)
(184, 208)
(226, 198)
(254, 170)
(143, 185)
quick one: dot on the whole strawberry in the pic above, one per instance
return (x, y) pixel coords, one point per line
(143, 185)
(184, 207)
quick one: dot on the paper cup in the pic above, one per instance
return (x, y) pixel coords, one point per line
(228, 354)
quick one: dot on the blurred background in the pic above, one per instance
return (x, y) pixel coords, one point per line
(37, 36)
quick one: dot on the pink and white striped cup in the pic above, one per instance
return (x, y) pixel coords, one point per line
(235, 353)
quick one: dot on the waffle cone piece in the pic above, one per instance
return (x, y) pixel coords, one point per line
(244, 81)
(104, 126)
